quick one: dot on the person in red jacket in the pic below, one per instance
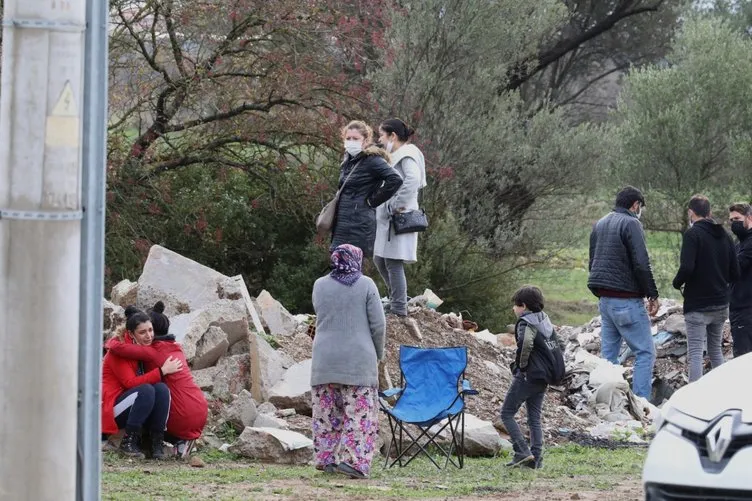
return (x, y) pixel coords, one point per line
(132, 398)
(188, 408)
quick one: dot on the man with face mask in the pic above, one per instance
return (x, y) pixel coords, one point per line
(621, 277)
(740, 307)
(708, 265)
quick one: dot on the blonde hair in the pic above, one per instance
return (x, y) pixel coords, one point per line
(365, 130)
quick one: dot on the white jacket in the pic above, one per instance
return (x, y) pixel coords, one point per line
(409, 162)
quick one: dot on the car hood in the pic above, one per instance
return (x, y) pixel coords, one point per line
(719, 390)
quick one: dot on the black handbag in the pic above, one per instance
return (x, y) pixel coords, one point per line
(410, 221)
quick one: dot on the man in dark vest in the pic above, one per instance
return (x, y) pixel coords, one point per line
(621, 277)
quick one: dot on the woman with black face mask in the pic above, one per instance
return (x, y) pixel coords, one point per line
(740, 305)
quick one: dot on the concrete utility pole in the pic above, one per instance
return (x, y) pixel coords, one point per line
(40, 246)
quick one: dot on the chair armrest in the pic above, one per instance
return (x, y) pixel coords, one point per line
(466, 389)
(391, 392)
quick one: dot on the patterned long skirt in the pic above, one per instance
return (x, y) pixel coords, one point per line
(345, 425)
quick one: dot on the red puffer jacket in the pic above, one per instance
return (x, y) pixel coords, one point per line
(118, 375)
(188, 407)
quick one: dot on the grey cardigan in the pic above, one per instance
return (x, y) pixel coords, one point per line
(350, 332)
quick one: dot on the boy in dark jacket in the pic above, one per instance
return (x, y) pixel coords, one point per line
(538, 363)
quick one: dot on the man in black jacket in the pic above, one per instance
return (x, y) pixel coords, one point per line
(708, 266)
(740, 311)
(621, 276)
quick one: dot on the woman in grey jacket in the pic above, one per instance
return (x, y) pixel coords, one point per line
(349, 342)
(392, 251)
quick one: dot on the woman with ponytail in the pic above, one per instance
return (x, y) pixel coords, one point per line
(132, 397)
(188, 409)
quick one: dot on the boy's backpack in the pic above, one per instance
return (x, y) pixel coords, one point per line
(551, 358)
(559, 370)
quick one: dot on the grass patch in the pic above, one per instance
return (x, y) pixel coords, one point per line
(567, 468)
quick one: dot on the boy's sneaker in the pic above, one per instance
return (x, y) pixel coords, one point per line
(535, 465)
(517, 461)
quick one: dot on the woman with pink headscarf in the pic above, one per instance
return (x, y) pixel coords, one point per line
(349, 342)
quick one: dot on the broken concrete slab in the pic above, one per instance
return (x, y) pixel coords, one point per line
(228, 315)
(481, 437)
(125, 293)
(267, 408)
(240, 348)
(210, 348)
(270, 421)
(204, 378)
(113, 316)
(279, 321)
(242, 412)
(676, 324)
(294, 389)
(268, 366)
(485, 335)
(233, 375)
(274, 445)
(181, 283)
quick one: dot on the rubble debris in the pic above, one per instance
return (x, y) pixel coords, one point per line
(279, 321)
(204, 378)
(113, 317)
(294, 389)
(481, 438)
(271, 365)
(242, 412)
(426, 300)
(675, 324)
(210, 348)
(485, 335)
(228, 315)
(594, 404)
(270, 421)
(182, 284)
(273, 445)
(125, 293)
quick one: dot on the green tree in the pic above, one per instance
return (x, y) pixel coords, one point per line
(496, 169)
(683, 127)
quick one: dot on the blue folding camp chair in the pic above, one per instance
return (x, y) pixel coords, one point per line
(432, 389)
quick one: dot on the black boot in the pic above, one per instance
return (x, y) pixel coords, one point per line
(157, 448)
(130, 445)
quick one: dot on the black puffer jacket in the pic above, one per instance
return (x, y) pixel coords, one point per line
(741, 291)
(373, 183)
(619, 258)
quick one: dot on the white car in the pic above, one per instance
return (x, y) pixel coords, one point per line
(702, 449)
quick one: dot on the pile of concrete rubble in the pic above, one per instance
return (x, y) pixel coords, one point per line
(251, 357)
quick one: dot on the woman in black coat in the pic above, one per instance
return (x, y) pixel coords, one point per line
(372, 183)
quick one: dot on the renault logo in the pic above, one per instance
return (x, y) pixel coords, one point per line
(719, 437)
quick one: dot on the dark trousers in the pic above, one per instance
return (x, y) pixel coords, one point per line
(741, 331)
(531, 394)
(145, 406)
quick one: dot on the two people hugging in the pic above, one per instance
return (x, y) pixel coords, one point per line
(148, 389)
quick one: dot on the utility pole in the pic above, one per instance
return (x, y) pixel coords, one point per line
(40, 246)
(92, 252)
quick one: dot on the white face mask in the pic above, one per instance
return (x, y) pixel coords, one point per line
(353, 147)
(389, 146)
(639, 212)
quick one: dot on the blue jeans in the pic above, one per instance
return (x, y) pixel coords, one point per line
(627, 320)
